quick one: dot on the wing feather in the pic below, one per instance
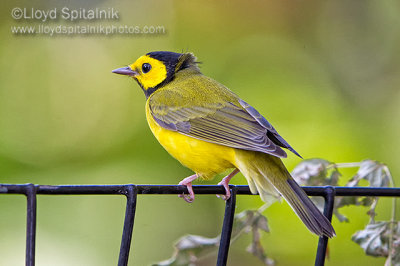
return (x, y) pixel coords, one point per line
(231, 123)
(272, 133)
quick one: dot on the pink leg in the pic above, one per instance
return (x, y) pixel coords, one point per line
(188, 183)
(225, 182)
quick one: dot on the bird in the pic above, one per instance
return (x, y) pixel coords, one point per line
(209, 129)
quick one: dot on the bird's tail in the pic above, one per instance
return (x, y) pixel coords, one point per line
(267, 175)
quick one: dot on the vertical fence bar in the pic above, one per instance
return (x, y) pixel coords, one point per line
(30, 224)
(329, 197)
(227, 228)
(131, 197)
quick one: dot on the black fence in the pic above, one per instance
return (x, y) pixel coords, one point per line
(131, 191)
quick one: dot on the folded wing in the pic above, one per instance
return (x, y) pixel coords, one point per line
(236, 125)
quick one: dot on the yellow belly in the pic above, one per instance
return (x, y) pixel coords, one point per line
(204, 158)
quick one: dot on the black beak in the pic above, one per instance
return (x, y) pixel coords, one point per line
(125, 71)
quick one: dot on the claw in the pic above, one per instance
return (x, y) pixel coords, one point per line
(188, 183)
(227, 190)
(187, 198)
(225, 182)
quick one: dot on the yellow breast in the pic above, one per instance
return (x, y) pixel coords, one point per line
(204, 158)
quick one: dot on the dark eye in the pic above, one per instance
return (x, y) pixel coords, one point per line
(146, 67)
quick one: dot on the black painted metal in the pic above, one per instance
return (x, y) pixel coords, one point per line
(174, 189)
(131, 191)
(30, 224)
(227, 228)
(131, 195)
(328, 212)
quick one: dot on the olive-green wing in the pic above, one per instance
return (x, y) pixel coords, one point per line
(232, 124)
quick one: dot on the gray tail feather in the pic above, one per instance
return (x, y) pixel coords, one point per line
(267, 175)
(315, 221)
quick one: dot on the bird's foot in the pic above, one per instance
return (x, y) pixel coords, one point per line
(225, 182)
(227, 190)
(188, 183)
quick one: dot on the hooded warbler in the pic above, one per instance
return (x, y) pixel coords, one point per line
(209, 129)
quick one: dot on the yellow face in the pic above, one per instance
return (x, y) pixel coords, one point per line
(150, 71)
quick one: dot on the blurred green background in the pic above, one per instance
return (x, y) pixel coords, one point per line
(324, 73)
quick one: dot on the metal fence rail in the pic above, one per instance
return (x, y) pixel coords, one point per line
(131, 191)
